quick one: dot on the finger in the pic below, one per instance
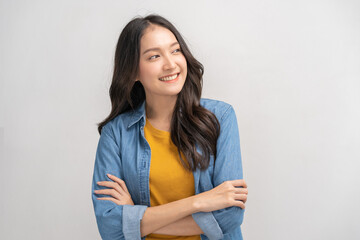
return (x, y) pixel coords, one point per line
(110, 184)
(119, 181)
(239, 204)
(110, 199)
(242, 197)
(239, 183)
(241, 190)
(111, 192)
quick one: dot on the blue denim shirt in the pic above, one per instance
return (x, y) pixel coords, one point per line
(124, 152)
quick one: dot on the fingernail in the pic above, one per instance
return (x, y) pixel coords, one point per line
(109, 175)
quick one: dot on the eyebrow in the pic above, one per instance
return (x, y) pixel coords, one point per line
(154, 49)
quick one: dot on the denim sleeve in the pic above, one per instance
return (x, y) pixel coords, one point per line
(228, 166)
(114, 221)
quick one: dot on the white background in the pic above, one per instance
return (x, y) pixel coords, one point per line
(291, 69)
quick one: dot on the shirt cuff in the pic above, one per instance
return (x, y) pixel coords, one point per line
(132, 214)
(208, 225)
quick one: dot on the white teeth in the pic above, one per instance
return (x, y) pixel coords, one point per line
(169, 78)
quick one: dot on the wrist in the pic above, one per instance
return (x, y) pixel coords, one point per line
(196, 203)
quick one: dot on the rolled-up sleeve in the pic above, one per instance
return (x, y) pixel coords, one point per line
(228, 166)
(114, 221)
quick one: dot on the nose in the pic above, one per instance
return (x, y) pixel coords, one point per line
(169, 62)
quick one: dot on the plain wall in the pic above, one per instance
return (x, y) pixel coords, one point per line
(291, 69)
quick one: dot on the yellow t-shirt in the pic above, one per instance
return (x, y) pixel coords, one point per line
(169, 181)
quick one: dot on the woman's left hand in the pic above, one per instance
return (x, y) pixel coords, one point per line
(119, 192)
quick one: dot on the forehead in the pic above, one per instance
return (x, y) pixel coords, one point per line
(156, 36)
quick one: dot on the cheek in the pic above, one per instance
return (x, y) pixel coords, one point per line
(183, 63)
(147, 71)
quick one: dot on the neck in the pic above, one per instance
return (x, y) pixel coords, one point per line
(160, 109)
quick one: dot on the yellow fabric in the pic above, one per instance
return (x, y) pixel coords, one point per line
(169, 181)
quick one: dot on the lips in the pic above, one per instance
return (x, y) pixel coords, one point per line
(170, 75)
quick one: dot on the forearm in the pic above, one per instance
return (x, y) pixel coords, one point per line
(183, 227)
(158, 217)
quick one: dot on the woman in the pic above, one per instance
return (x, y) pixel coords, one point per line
(168, 162)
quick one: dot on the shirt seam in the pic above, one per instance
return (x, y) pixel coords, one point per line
(109, 135)
(226, 111)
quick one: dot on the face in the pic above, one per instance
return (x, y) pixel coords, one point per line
(162, 66)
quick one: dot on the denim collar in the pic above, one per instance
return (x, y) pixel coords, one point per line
(137, 114)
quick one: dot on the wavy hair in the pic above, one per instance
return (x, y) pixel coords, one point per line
(192, 125)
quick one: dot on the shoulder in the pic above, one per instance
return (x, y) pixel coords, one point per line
(218, 107)
(117, 125)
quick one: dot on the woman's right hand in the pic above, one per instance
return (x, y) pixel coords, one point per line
(228, 194)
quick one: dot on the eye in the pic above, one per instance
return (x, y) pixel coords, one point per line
(153, 57)
(177, 50)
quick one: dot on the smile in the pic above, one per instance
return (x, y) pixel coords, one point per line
(169, 78)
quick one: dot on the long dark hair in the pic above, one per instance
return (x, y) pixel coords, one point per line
(191, 124)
